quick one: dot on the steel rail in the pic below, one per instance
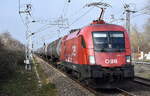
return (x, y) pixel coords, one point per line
(145, 63)
(141, 80)
(70, 77)
(92, 90)
(124, 92)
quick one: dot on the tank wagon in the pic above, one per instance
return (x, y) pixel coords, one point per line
(99, 52)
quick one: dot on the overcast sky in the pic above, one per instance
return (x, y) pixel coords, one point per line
(49, 10)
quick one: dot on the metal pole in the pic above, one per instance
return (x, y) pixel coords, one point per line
(128, 22)
(128, 17)
(28, 49)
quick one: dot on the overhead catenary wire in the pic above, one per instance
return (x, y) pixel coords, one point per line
(143, 13)
(139, 15)
(123, 3)
(77, 19)
(146, 8)
(21, 15)
(65, 8)
(121, 18)
(116, 20)
(146, 12)
(43, 28)
(62, 17)
(78, 11)
(81, 16)
(48, 37)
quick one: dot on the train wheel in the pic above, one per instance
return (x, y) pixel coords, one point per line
(86, 81)
(76, 75)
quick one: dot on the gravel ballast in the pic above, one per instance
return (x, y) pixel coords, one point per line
(64, 85)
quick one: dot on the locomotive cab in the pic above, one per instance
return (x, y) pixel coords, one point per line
(109, 48)
(109, 52)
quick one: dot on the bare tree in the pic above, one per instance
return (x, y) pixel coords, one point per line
(11, 55)
(146, 35)
(11, 43)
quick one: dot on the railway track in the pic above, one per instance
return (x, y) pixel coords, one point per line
(118, 91)
(146, 63)
(142, 81)
(124, 92)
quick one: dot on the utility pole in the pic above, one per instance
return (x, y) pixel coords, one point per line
(26, 13)
(28, 49)
(128, 12)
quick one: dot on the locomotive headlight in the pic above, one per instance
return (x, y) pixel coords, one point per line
(92, 60)
(128, 59)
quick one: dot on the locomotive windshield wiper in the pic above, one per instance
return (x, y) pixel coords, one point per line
(100, 50)
(121, 50)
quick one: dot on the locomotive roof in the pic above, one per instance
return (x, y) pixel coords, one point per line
(104, 25)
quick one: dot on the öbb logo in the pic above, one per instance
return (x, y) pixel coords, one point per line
(111, 61)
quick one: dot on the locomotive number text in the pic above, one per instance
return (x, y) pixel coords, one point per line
(111, 61)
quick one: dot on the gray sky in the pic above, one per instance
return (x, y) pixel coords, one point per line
(48, 10)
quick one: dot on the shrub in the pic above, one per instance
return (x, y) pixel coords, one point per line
(10, 56)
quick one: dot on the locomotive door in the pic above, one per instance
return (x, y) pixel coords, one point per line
(74, 52)
(81, 50)
(77, 51)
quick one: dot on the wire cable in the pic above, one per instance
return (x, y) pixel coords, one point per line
(81, 16)
(123, 3)
(139, 15)
(64, 8)
(146, 8)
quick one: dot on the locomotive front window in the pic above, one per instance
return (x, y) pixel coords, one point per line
(109, 41)
(117, 40)
(100, 40)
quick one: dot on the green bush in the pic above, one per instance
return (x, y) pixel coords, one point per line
(8, 62)
(11, 55)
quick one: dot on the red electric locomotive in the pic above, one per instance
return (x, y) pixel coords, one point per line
(99, 52)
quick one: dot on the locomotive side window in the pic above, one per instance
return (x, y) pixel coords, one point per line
(109, 41)
(83, 42)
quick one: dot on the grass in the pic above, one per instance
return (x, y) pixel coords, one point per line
(25, 83)
(137, 60)
(142, 70)
(143, 75)
(14, 79)
(22, 84)
(48, 89)
(43, 76)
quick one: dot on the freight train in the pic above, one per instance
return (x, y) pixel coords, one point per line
(99, 52)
